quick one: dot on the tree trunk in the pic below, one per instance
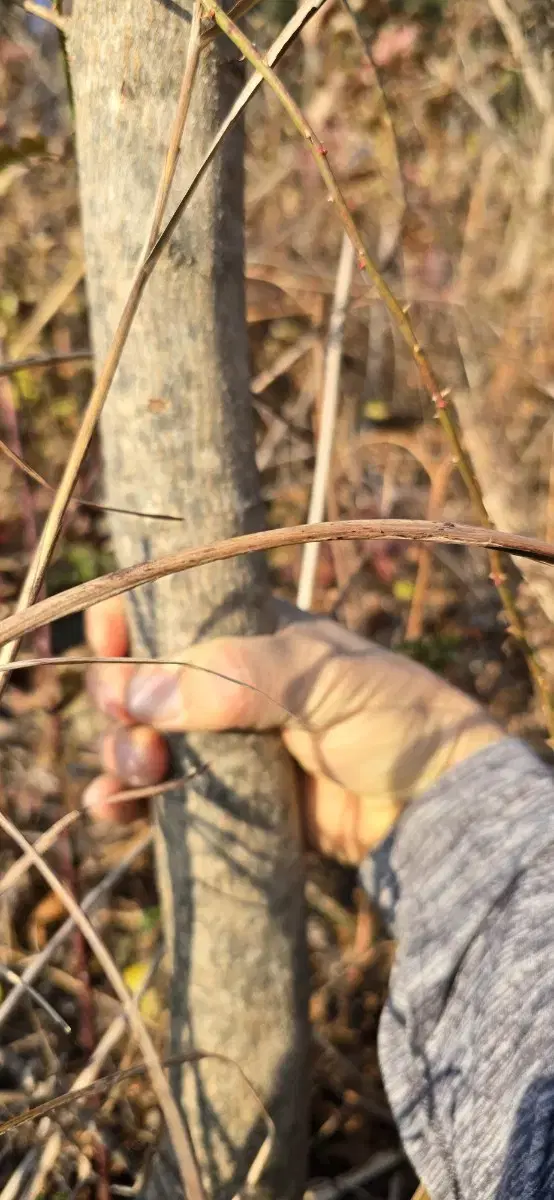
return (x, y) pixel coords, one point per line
(177, 437)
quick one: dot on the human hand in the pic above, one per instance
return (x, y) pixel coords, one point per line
(370, 729)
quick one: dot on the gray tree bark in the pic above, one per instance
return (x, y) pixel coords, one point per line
(177, 437)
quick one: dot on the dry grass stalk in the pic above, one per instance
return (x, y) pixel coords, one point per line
(108, 1042)
(176, 1125)
(88, 903)
(328, 418)
(84, 595)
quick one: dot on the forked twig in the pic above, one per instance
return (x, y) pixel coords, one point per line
(399, 315)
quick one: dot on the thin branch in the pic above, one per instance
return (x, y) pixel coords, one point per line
(77, 501)
(12, 977)
(284, 361)
(183, 104)
(34, 361)
(130, 660)
(176, 1125)
(236, 12)
(141, 793)
(84, 595)
(399, 315)
(293, 27)
(331, 384)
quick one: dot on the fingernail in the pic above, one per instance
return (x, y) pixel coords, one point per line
(131, 759)
(154, 696)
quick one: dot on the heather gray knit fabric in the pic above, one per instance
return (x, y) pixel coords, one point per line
(467, 1038)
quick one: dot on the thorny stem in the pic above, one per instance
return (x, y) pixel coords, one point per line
(399, 315)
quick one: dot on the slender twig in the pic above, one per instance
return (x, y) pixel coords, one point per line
(139, 793)
(329, 407)
(166, 179)
(283, 363)
(33, 969)
(399, 315)
(176, 1124)
(36, 361)
(236, 12)
(12, 977)
(78, 501)
(84, 595)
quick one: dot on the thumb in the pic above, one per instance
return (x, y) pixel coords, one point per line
(228, 683)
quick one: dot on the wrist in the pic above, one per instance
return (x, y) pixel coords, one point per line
(472, 731)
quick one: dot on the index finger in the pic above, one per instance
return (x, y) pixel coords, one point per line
(106, 628)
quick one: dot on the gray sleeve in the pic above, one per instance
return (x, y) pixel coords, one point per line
(466, 1040)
